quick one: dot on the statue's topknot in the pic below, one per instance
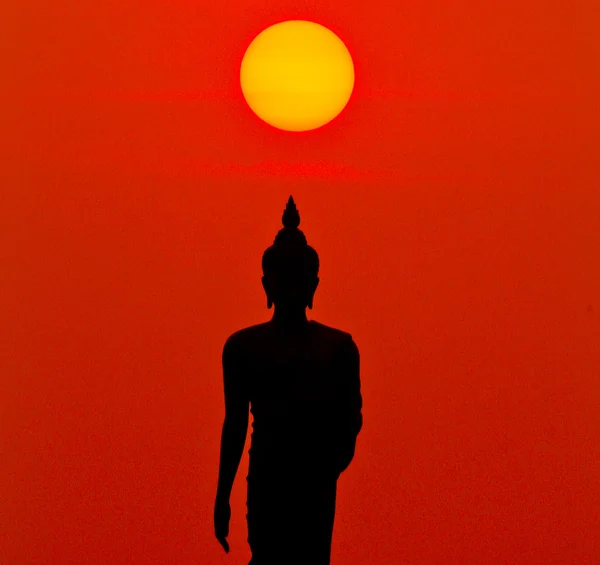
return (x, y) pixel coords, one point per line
(290, 248)
(290, 234)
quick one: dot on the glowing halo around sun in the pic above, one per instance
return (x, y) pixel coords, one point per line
(297, 75)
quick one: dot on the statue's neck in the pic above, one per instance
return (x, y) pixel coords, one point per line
(289, 319)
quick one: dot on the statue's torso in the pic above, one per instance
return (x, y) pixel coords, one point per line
(292, 384)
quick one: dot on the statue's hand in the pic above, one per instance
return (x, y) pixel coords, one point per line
(221, 520)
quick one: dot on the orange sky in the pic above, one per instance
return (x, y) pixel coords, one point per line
(455, 207)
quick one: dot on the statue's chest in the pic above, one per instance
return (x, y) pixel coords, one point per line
(294, 373)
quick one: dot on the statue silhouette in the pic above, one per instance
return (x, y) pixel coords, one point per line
(301, 381)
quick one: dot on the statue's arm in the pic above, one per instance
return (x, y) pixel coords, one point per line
(235, 424)
(351, 403)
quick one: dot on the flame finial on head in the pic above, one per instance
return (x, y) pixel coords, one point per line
(291, 216)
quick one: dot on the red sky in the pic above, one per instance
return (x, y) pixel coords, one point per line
(455, 207)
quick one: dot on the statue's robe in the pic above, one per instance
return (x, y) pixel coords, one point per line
(305, 399)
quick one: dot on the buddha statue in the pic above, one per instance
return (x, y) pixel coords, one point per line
(300, 381)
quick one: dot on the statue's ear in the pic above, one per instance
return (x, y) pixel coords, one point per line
(310, 299)
(265, 286)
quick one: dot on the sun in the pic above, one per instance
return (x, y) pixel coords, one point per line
(297, 75)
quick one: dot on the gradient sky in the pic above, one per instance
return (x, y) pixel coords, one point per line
(455, 206)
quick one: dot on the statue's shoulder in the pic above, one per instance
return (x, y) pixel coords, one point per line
(248, 336)
(330, 333)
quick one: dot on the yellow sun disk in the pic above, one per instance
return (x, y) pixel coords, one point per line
(297, 75)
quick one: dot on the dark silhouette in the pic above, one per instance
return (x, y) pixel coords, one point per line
(301, 381)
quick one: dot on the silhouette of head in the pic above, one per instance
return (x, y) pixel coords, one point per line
(290, 266)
